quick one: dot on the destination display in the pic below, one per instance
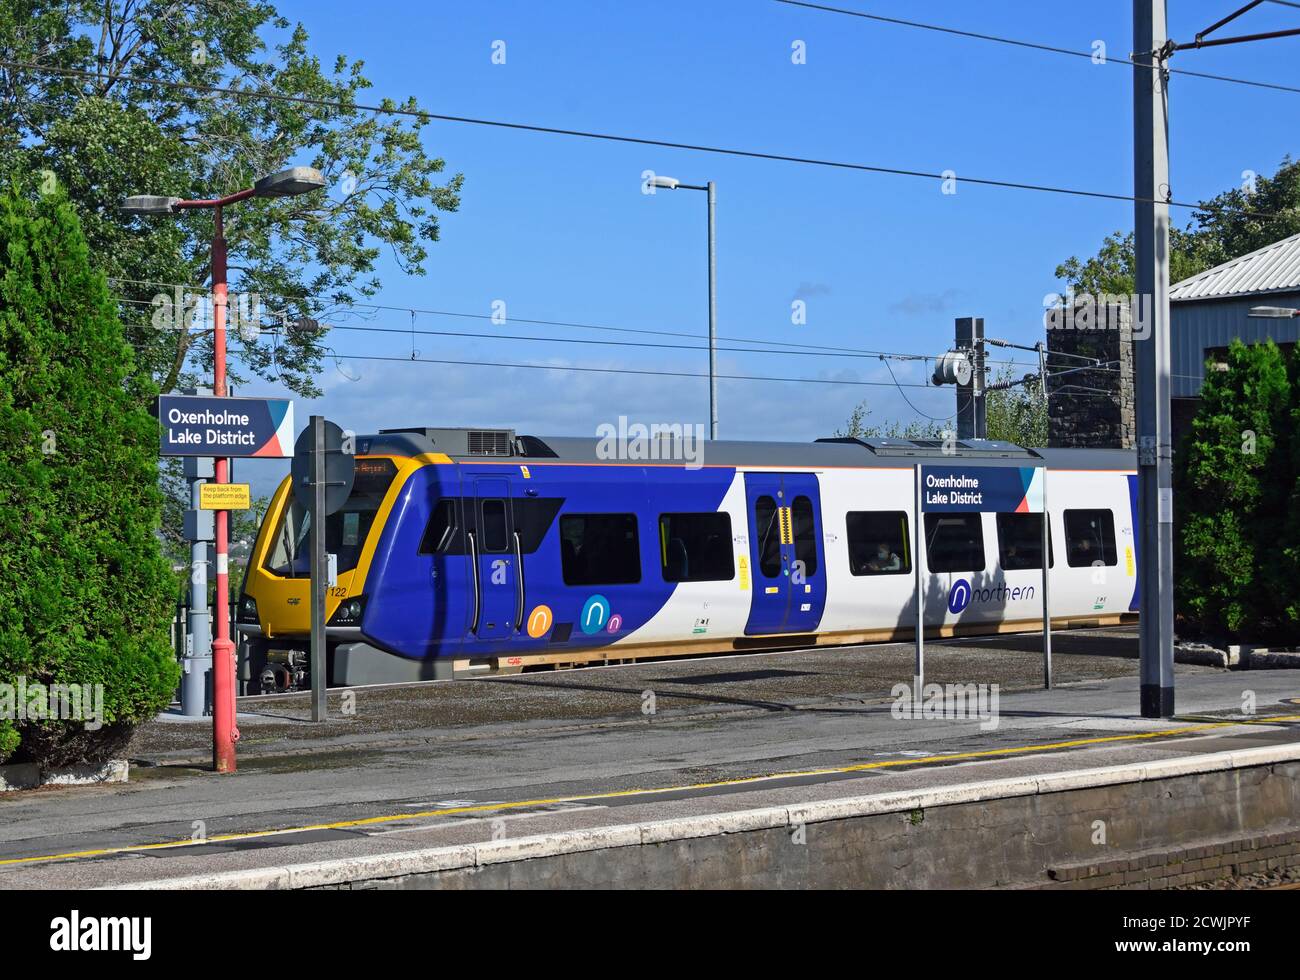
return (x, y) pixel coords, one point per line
(996, 489)
(203, 425)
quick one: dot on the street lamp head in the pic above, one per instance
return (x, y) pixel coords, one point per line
(669, 183)
(1272, 313)
(289, 182)
(146, 204)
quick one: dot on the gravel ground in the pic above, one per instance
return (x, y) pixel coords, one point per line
(816, 679)
(1285, 878)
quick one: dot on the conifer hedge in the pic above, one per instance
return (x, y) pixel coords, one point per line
(1236, 471)
(85, 594)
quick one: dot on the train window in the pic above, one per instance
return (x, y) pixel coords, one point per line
(805, 534)
(696, 548)
(533, 519)
(289, 555)
(1089, 538)
(954, 542)
(493, 528)
(600, 549)
(1020, 542)
(768, 524)
(346, 530)
(878, 542)
(441, 532)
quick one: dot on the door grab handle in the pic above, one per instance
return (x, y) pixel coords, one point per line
(519, 585)
(474, 573)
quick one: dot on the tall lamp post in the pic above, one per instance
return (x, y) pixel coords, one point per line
(673, 184)
(286, 183)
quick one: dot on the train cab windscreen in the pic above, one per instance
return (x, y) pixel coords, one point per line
(345, 530)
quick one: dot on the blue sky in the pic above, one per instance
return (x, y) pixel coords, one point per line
(557, 228)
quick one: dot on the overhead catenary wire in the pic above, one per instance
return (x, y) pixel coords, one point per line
(586, 369)
(514, 319)
(1034, 45)
(774, 346)
(932, 418)
(777, 346)
(391, 108)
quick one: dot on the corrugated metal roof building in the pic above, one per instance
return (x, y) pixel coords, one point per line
(1209, 310)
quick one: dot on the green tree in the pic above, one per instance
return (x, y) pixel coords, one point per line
(858, 426)
(102, 137)
(1284, 558)
(87, 595)
(1233, 476)
(1016, 414)
(1225, 227)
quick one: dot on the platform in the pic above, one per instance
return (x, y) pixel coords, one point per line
(514, 771)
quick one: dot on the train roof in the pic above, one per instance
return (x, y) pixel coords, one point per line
(504, 445)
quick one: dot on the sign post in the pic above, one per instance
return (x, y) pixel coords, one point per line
(221, 427)
(319, 708)
(1047, 611)
(918, 563)
(950, 488)
(323, 471)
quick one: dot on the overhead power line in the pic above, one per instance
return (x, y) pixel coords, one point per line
(390, 108)
(771, 346)
(1034, 45)
(615, 370)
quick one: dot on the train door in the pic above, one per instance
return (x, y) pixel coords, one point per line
(493, 560)
(786, 555)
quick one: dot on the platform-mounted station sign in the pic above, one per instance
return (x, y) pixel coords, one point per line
(983, 489)
(960, 488)
(202, 425)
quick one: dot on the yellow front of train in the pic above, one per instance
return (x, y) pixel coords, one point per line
(274, 608)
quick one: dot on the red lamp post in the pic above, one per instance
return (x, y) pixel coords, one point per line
(286, 183)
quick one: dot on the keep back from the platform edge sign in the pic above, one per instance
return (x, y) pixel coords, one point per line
(203, 425)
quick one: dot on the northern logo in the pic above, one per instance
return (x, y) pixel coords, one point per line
(959, 596)
(962, 594)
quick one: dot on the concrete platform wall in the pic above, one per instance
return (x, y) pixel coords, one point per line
(1043, 839)
(1121, 826)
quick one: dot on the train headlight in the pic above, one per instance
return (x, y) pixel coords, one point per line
(247, 610)
(349, 612)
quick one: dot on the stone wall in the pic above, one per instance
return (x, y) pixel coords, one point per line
(1092, 409)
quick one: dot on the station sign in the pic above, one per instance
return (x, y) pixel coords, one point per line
(982, 489)
(203, 425)
(225, 496)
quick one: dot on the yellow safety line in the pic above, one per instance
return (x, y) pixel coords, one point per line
(617, 794)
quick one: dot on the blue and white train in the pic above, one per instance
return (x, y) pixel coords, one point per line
(469, 549)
